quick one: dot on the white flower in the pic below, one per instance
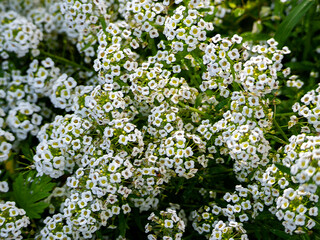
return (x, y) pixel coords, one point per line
(168, 223)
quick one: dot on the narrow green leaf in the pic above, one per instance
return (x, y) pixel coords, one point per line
(137, 219)
(86, 46)
(198, 101)
(99, 234)
(209, 17)
(280, 130)
(265, 235)
(251, 175)
(291, 21)
(279, 140)
(301, 66)
(103, 24)
(305, 237)
(249, 36)
(280, 234)
(27, 151)
(122, 224)
(257, 233)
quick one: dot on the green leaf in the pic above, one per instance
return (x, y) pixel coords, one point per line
(137, 219)
(280, 234)
(27, 151)
(210, 93)
(122, 224)
(257, 233)
(232, 5)
(29, 192)
(103, 24)
(269, 25)
(238, 12)
(198, 101)
(249, 36)
(291, 21)
(86, 46)
(221, 104)
(282, 168)
(279, 140)
(99, 234)
(209, 17)
(301, 66)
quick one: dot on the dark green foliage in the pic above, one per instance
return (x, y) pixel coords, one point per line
(29, 191)
(291, 21)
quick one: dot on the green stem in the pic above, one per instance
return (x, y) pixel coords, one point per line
(66, 61)
(191, 108)
(231, 67)
(281, 131)
(279, 140)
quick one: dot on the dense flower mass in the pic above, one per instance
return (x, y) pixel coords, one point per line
(173, 226)
(12, 220)
(152, 114)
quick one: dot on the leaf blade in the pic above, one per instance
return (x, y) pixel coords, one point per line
(30, 191)
(291, 21)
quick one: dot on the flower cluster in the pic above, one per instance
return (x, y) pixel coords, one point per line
(18, 35)
(103, 104)
(298, 205)
(241, 206)
(205, 222)
(288, 191)
(242, 133)
(309, 108)
(83, 22)
(63, 91)
(24, 119)
(42, 75)
(63, 145)
(12, 221)
(129, 99)
(96, 195)
(23, 110)
(6, 139)
(256, 67)
(166, 226)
